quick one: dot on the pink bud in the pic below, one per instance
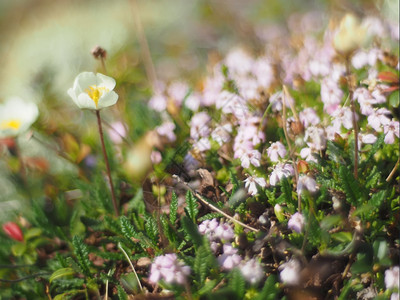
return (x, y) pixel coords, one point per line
(13, 231)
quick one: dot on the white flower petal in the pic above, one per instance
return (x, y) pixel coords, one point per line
(107, 99)
(85, 102)
(106, 81)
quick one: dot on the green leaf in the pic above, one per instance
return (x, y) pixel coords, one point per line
(127, 229)
(18, 249)
(351, 186)
(377, 199)
(342, 237)
(207, 287)
(130, 283)
(204, 262)
(330, 221)
(270, 289)
(192, 231)
(191, 209)
(394, 99)
(121, 293)
(237, 283)
(32, 233)
(375, 147)
(286, 189)
(151, 229)
(61, 273)
(82, 254)
(173, 208)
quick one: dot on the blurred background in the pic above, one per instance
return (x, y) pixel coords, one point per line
(44, 44)
(44, 40)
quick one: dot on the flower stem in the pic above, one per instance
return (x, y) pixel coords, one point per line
(103, 147)
(353, 110)
(130, 263)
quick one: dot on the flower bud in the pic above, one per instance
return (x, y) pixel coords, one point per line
(350, 35)
(13, 231)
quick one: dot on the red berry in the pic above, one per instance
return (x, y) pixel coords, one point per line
(13, 231)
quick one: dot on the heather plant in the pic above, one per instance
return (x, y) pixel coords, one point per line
(274, 176)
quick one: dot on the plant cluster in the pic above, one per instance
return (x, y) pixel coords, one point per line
(274, 177)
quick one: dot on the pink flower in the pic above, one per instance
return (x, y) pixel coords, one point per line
(391, 130)
(208, 227)
(167, 129)
(378, 118)
(177, 91)
(158, 102)
(342, 117)
(296, 222)
(117, 132)
(229, 259)
(275, 151)
(221, 134)
(252, 157)
(281, 170)
(309, 117)
(331, 95)
(168, 268)
(250, 184)
(306, 183)
(317, 137)
(155, 157)
(290, 272)
(199, 125)
(224, 232)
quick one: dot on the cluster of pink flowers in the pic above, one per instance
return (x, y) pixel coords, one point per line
(169, 269)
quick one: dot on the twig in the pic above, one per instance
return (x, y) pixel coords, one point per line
(23, 278)
(212, 207)
(106, 294)
(396, 166)
(134, 271)
(103, 147)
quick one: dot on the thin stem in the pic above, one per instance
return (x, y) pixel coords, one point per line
(147, 60)
(396, 166)
(354, 119)
(212, 207)
(103, 64)
(134, 271)
(296, 173)
(103, 147)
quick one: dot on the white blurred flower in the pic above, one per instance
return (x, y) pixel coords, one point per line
(168, 268)
(229, 259)
(93, 91)
(16, 116)
(252, 271)
(155, 157)
(281, 170)
(306, 183)
(296, 222)
(392, 278)
(290, 272)
(117, 132)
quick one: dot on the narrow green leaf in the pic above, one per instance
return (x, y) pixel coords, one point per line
(270, 289)
(237, 283)
(191, 229)
(191, 209)
(61, 273)
(173, 208)
(82, 254)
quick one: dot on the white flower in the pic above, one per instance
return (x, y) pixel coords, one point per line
(290, 272)
(392, 278)
(275, 151)
(250, 184)
(252, 271)
(93, 91)
(16, 116)
(296, 222)
(281, 170)
(306, 182)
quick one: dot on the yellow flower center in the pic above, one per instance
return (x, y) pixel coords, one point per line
(11, 124)
(96, 92)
